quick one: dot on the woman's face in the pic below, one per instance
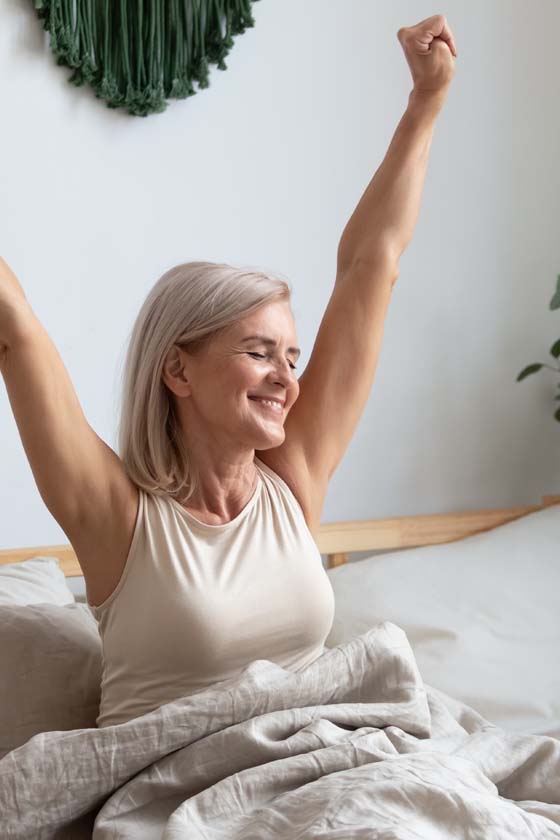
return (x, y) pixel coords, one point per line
(222, 383)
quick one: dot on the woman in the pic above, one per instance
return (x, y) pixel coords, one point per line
(198, 554)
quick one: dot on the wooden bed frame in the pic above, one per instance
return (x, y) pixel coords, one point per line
(339, 539)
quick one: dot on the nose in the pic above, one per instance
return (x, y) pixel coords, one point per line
(282, 374)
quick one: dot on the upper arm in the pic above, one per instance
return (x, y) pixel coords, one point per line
(336, 383)
(78, 476)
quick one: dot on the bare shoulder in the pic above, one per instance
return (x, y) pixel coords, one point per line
(289, 463)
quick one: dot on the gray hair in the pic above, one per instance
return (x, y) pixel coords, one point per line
(188, 306)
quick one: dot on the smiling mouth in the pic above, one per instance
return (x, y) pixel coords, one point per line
(272, 408)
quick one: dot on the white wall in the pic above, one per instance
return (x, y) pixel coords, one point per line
(264, 168)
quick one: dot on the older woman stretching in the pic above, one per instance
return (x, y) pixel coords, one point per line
(197, 553)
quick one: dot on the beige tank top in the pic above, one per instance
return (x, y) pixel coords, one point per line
(196, 603)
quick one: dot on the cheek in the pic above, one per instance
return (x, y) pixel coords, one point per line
(250, 376)
(236, 376)
(245, 380)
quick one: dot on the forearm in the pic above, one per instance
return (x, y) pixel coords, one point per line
(383, 222)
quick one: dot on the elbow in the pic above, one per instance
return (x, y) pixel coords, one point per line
(382, 254)
(383, 264)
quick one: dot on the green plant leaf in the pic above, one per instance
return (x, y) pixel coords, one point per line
(557, 414)
(557, 397)
(555, 349)
(555, 302)
(528, 370)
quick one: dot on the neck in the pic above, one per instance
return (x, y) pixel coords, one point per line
(225, 487)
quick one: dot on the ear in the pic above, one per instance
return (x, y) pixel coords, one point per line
(174, 373)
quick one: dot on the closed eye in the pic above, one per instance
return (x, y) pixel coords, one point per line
(262, 356)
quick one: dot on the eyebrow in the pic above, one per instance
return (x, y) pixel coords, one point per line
(270, 341)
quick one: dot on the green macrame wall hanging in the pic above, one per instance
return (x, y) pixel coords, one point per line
(138, 53)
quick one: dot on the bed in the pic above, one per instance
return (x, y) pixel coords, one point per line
(433, 712)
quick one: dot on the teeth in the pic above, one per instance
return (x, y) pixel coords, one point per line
(276, 406)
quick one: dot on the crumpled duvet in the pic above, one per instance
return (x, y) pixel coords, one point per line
(355, 745)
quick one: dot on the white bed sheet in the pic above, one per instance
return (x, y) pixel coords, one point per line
(482, 615)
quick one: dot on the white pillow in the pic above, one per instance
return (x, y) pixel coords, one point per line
(482, 615)
(39, 580)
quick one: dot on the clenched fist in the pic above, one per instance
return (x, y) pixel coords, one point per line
(430, 51)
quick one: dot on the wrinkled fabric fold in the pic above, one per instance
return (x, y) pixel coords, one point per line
(353, 743)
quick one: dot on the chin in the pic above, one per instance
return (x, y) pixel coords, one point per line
(269, 441)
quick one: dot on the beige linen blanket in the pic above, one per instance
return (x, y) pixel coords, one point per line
(355, 745)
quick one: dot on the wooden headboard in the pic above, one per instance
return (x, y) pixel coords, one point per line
(339, 539)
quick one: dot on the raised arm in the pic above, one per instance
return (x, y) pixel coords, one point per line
(80, 479)
(382, 224)
(336, 383)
